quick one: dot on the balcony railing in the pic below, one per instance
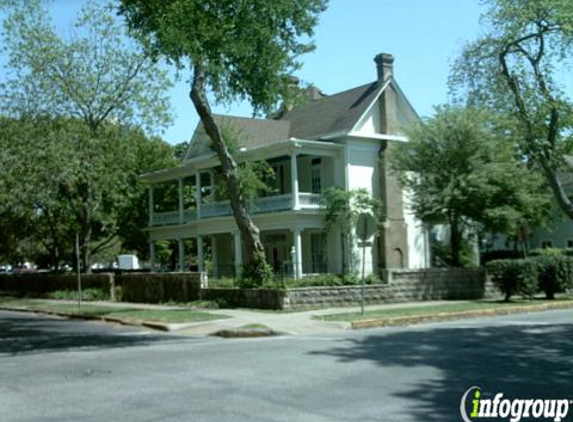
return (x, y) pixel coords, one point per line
(309, 201)
(172, 217)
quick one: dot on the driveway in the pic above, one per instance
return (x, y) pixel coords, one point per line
(60, 370)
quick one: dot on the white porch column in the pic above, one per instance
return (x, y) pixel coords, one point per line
(151, 205)
(214, 260)
(181, 255)
(297, 264)
(152, 255)
(198, 193)
(294, 181)
(238, 253)
(181, 206)
(200, 258)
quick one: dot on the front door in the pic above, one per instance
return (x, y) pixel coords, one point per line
(275, 250)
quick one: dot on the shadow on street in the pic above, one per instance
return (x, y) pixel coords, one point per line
(520, 361)
(28, 333)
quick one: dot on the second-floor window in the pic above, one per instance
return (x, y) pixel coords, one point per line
(315, 182)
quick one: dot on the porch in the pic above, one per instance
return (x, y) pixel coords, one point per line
(196, 192)
(291, 253)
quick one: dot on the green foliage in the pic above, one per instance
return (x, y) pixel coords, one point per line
(95, 73)
(461, 170)
(514, 276)
(342, 208)
(256, 274)
(222, 36)
(87, 295)
(331, 280)
(555, 271)
(515, 68)
(72, 141)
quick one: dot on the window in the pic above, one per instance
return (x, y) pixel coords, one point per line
(545, 244)
(318, 252)
(315, 183)
(569, 243)
(278, 182)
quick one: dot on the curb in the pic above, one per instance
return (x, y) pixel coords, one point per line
(245, 333)
(148, 324)
(447, 316)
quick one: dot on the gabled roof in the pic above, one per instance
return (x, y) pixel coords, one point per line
(251, 133)
(332, 114)
(318, 119)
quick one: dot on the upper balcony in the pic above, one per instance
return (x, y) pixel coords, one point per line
(301, 169)
(276, 203)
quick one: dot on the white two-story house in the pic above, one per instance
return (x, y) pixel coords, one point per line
(333, 140)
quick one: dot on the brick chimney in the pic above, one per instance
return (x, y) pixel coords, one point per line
(384, 66)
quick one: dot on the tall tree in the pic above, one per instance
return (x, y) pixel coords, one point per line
(514, 67)
(460, 171)
(45, 167)
(235, 49)
(96, 78)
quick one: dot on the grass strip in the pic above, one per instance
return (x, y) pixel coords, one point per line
(124, 313)
(419, 311)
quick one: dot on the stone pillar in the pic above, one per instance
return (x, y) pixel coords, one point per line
(198, 193)
(200, 257)
(181, 204)
(297, 264)
(152, 255)
(181, 255)
(151, 205)
(294, 181)
(238, 253)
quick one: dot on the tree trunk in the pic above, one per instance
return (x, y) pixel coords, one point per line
(253, 251)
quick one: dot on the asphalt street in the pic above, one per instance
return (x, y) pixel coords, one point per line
(54, 369)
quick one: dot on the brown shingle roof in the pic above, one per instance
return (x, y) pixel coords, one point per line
(318, 118)
(331, 114)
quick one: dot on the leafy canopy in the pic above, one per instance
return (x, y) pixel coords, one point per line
(95, 74)
(458, 167)
(515, 67)
(247, 48)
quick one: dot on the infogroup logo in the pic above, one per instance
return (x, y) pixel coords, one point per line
(473, 407)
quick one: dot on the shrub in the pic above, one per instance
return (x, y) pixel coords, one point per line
(87, 294)
(255, 275)
(513, 276)
(331, 280)
(555, 271)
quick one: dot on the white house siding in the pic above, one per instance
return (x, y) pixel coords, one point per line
(363, 172)
(418, 238)
(370, 122)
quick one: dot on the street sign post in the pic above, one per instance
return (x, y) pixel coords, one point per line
(365, 229)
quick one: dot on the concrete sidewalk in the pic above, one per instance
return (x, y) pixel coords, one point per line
(293, 323)
(287, 322)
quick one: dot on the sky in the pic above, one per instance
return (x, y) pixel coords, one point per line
(424, 36)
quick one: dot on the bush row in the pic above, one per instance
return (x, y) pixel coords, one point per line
(551, 271)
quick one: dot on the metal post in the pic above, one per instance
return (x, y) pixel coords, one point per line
(78, 271)
(363, 267)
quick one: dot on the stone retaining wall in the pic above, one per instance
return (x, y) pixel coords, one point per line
(401, 286)
(246, 298)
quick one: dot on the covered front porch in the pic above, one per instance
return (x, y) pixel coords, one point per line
(292, 253)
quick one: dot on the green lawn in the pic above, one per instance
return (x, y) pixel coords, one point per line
(125, 312)
(437, 309)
